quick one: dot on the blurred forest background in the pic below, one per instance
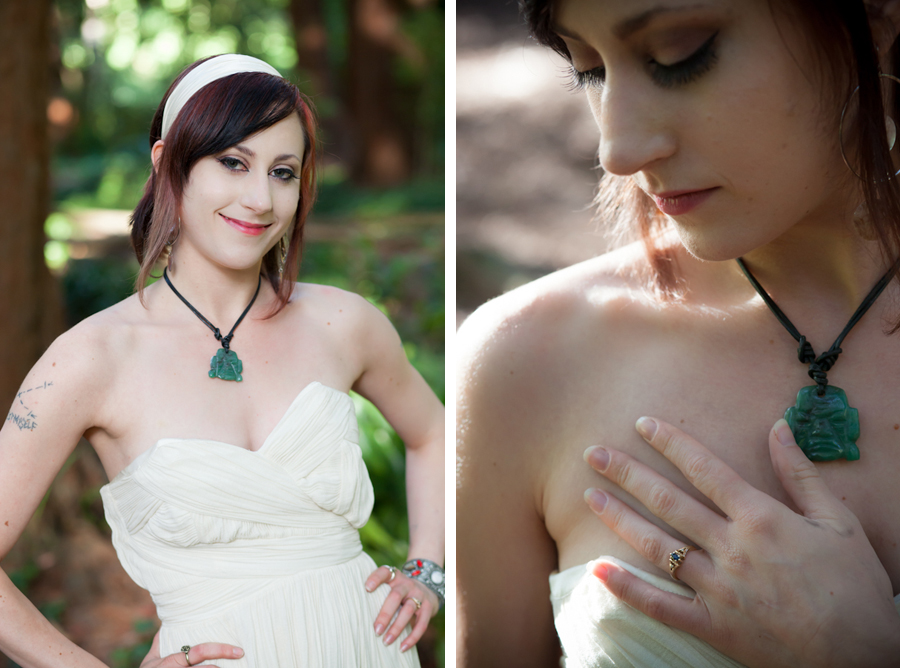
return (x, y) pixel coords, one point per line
(526, 158)
(79, 83)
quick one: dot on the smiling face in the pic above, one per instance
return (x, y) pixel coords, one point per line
(237, 204)
(717, 109)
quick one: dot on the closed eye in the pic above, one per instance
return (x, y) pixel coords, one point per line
(685, 71)
(588, 78)
(667, 76)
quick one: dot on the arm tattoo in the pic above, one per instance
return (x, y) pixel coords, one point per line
(21, 415)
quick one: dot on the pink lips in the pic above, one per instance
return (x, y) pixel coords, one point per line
(245, 227)
(680, 202)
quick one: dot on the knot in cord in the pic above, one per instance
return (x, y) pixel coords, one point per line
(226, 341)
(820, 366)
(805, 352)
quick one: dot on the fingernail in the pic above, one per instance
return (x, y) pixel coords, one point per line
(379, 628)
(404, 647)
(783, 433)
(597, 457)
(646, 427)
(601, 572)
(595, 499)
(238, 652)
(388, 639)
(369, 587)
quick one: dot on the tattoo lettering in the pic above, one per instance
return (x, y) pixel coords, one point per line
(28, 422)
(22, 416)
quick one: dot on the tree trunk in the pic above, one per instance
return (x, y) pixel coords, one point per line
(384, 141)
(30, 312)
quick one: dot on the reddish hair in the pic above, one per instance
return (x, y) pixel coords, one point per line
(220, 115)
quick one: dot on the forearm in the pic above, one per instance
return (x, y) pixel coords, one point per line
(30, 640)
(425, 499)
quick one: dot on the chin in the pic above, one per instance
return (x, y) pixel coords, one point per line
(714, 247)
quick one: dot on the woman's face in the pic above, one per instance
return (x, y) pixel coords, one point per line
(716, 109)
(237, 204)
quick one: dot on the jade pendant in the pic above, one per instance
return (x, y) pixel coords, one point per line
(226, 365)
(826, 427)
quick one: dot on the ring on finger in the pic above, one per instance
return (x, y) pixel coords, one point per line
(677, 558)
(393, 572)
(416, 601)
(187, 654)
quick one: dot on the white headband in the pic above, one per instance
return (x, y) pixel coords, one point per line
(215, 68)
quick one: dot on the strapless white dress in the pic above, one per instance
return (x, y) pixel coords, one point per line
(258, 549)
(597, 630)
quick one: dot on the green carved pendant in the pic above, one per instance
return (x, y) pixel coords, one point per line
(226, 365)
(826, 427)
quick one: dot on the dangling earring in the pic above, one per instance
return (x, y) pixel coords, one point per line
(890, 129)
(282, 256)
(170, 244)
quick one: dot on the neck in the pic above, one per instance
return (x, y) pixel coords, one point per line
(820, 262)
(220, 293)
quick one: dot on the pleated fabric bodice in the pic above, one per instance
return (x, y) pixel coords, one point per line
(258, 549)
(597, 630)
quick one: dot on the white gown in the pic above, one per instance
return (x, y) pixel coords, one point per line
(258, 549)
(597, 630)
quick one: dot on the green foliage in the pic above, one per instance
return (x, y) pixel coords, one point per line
(23, 577)
(118, 57)
(91, 285)
(53, 610)
(131, 657)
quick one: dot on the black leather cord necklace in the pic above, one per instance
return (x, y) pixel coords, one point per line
(225, 363)
(824, 424)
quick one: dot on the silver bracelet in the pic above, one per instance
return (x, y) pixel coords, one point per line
(429, 574)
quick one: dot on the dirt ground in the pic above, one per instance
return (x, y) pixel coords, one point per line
(526, 157)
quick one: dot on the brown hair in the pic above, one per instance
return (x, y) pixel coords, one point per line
(218, 116)
(841, 34)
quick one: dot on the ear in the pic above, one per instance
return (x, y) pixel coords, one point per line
(156, 153)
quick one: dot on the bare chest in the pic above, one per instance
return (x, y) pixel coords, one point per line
(727, 399)
(166, 390)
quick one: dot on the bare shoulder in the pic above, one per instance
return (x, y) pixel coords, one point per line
(89, 351)
(534, 335)
(346, 313)
(561, 304)
(320, 299)
(521, 358)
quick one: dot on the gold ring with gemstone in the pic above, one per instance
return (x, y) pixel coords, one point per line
(187, 654)
(677, 558)
(393, 572)
(416, 601)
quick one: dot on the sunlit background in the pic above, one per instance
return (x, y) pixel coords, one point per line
(525, 160)
(374, 70)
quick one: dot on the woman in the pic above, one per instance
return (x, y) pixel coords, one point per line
(237, 486)
(724, 129)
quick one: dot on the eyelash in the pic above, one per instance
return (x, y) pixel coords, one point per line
(667, 76)
(234, 165)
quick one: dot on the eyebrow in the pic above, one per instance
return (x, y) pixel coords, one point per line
(278, 158)
(630, 26)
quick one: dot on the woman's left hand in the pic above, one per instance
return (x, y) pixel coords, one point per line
(773, 587)
(403, 592)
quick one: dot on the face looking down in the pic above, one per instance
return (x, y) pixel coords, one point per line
(717, 110)
(239, 203)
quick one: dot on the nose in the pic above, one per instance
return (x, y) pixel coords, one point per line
(256, 194)
(635, 125)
